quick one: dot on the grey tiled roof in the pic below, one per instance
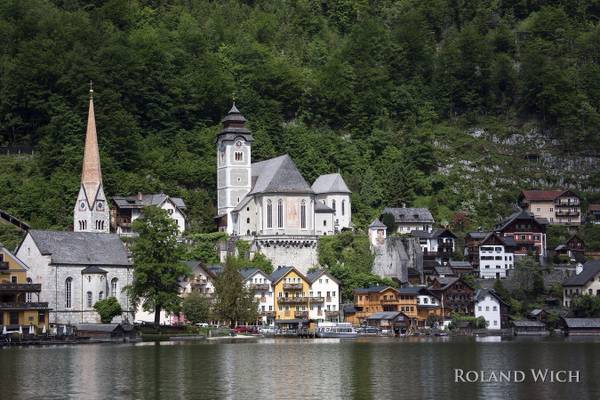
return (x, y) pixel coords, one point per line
(330, 183)
(520, 215)
(460, 264)
(590, 270)
(481, 293)
(279, 272)
(443, 270)
(94, 269)
(322, 208)
(582, 322)
(526, 323)
(377, 224)
(386, 315)
(372, 289)
(152, 199)
(313, 276)
(410, 214)
(83, 248)
(478, 235)
(278, 175)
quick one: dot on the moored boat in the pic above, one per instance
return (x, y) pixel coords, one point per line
(335, 330)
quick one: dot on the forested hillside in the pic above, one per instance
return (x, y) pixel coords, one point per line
(449, 104)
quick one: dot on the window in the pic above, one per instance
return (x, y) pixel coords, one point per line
(100, 295)
(324, 222)
(68, 293)
(89, 299)
(114, 287)
(28, 295)
(170, 211)
(303, 214)
(343, 207)
(494, 308)
(238, 156)
(479, 308)
(280, 214)
(269, 214)
(13, 279)
(333, 204)
(41, 317)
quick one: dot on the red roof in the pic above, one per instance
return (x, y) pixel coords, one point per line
(541, 195)
(594, 207)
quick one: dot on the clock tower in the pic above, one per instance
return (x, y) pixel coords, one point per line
(91, 213)
(234, 171)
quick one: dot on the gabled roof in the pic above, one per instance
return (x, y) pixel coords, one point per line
(283, 271)
(151, 199)
(540, 195)
(377, 224)
(195, 265)
(444, 270)
(478, 235)
(507, 241)
(481, 293)
(278, 175)
(330, 183)
(411, 290)
(445, 282)
(460, 264)
(409, 214)
(518, 215)
(528, 323)
(387, 315)
(594, 207)
(373, 289)
(590, 270)
(83, 248)
(248, 273)
(313, 276)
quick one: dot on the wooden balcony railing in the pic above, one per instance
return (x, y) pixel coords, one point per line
(259, 286)
(23, 306)
(20, 287)
(292, 286)
(292, 300)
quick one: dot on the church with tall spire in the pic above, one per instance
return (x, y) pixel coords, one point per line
(91, 212)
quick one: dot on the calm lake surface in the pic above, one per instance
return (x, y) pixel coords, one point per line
(374, 368)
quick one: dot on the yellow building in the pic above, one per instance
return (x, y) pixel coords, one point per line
(291, 298)
(19, 297)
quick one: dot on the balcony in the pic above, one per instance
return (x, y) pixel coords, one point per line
(332, 314)
(317, 299)
(567, 213)
(20, 287)
(292, 300)
(301, 314)
(388, 301)
(268, 314)
(292, 286)
(564, 203)
(260, 286)
(23, 306)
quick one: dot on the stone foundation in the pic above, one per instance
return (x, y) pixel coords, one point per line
(298, 253)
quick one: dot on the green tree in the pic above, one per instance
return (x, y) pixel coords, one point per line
(158, 265)
(108, 308)
(234, 302)
(586, 306)
(195, 307)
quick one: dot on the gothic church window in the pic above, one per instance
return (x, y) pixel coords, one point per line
(100, 295)
(269, 214)
(89, 299)
(238, 156)
(68, 292)
(343, 207)
(333, 204)
(280, 214)
(303, 215)
(113, 287)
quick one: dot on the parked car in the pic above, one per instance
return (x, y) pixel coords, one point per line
(245, 329)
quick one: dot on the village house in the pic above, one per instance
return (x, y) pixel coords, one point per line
(528, 327)
(410, 219)
(76, 269)
(323, 284)
(376, 299)
(492, 308)
(460, 268)
(438, 244)
(427, 305)
(574, 248)
(291, 301)
(20, 304)
(395, 322)
(125, 210)
(586, 280)
(454, 294)
(594, 214)
(471, 250)
(528, 232)
(260, 283)
(558, 207)
(496, 256)
(270, 204)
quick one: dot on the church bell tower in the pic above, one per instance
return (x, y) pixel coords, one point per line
(91, 213)
(234, 172)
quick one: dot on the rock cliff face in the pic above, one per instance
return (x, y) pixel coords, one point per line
(396, 256)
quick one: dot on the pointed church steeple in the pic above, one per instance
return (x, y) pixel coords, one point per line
(91, 173)
(91, 212)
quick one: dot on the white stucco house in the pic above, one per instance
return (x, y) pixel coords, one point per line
(260, 283)
(323, 284)
(492, 308)
(496, 256)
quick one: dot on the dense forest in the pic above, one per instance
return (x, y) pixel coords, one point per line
(451, 104)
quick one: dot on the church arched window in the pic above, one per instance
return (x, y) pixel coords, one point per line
(333, 204)
(343, 207)
(100, 295)
(68, 292)
(269, 214)
(89, 299)
(114, 286)
(303, 214)
(280, 213)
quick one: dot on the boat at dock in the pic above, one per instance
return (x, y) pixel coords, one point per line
(335, 330)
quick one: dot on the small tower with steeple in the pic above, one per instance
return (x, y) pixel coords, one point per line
(234, 173)
(91, 213)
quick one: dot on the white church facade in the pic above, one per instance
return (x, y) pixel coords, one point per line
(76, 269)
(270, 203)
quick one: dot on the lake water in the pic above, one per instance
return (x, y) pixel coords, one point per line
(374, 368)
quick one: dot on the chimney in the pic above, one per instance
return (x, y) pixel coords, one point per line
(140, 196)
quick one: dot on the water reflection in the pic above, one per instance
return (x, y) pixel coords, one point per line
(374, 368)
